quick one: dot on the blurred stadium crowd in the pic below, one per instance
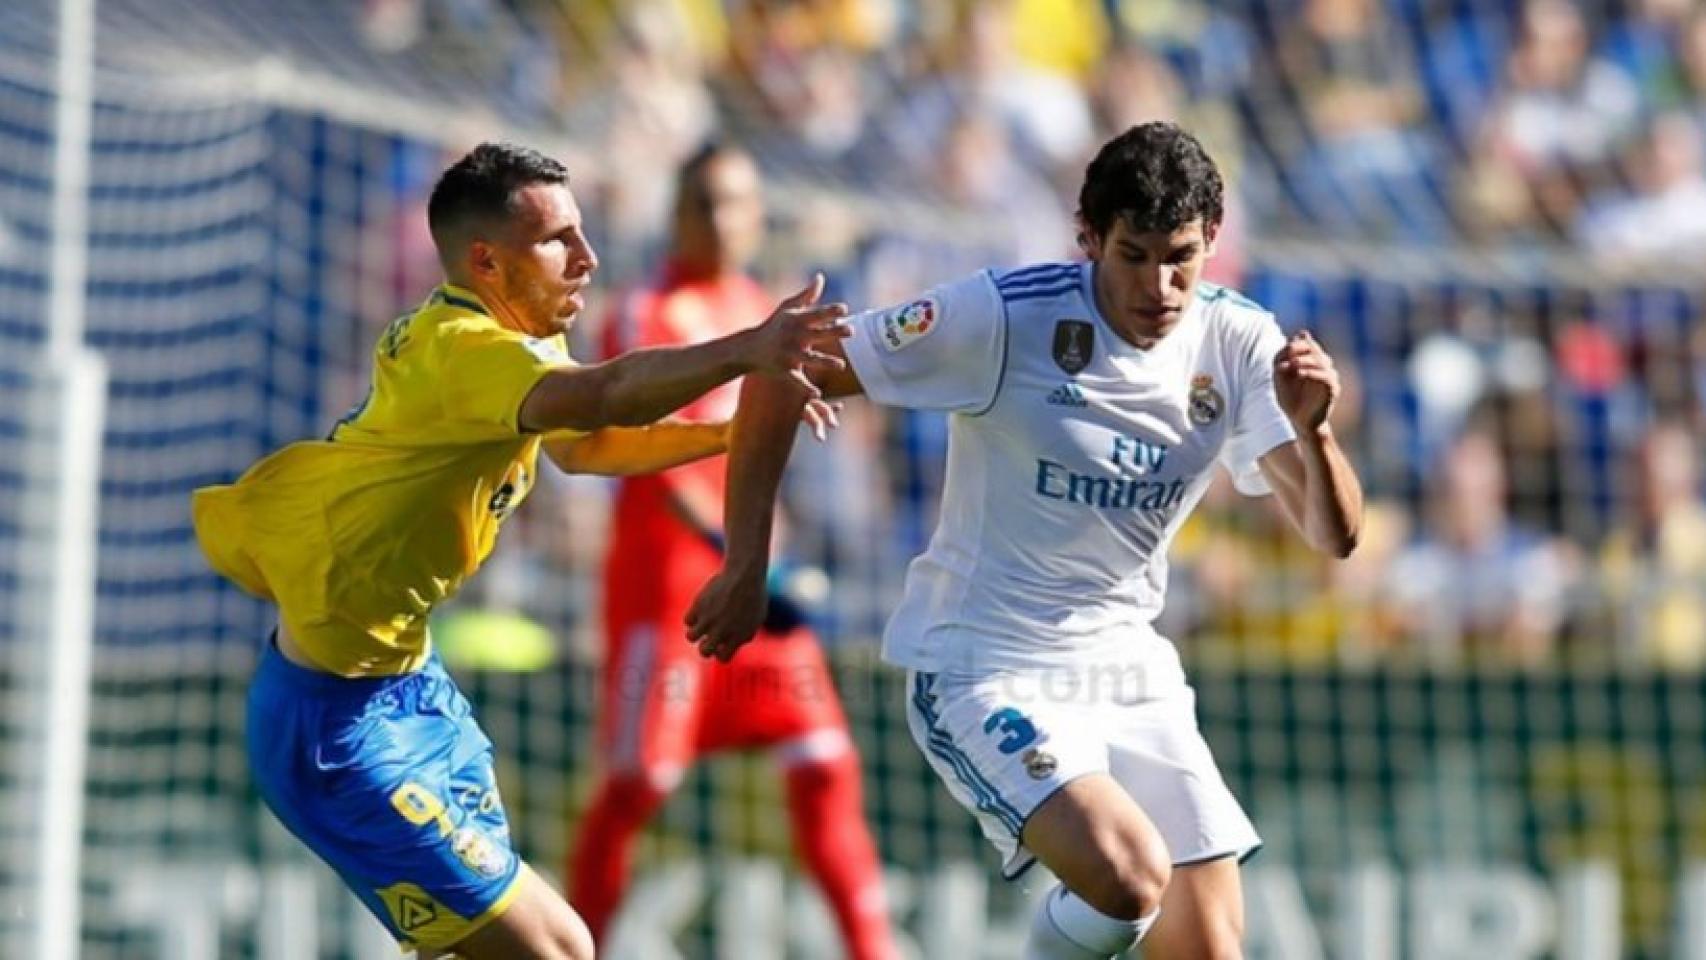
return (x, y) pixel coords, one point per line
(1493, 212)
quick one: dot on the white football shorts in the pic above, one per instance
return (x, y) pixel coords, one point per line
(1005, 741)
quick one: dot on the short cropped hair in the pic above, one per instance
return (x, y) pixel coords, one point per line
(478, 190)
(1156, 177)
(707, 153)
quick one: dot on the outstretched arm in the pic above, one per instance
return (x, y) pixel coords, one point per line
(1313, 479)
(626, 451)
(645, 385)
(729, 610)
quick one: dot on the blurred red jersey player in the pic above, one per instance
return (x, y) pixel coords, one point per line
(663, 706)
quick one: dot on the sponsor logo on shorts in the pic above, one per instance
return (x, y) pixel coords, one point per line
(419, 917)
(904, 326)
(1040, 764)
(414, 913)
(478, 852)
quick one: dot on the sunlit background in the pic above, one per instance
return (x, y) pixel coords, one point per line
(1482, 736)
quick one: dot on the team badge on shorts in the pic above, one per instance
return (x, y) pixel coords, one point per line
(478, 852)
(1074, 344)
(1206, 404)
(1040, 764)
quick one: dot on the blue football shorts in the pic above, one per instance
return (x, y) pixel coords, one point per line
(389, 780)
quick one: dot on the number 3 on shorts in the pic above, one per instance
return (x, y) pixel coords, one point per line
(1020, 733)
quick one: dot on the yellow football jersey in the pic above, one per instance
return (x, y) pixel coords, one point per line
(359, 536)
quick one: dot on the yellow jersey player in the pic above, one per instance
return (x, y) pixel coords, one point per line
(358, 739)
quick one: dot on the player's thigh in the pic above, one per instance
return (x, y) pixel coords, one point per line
(1003, 746)
(1102, 846)
(1202, 914)
(539, 925)
(1158, 754)
(395, 790)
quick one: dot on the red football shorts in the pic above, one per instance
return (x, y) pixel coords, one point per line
(664, 706)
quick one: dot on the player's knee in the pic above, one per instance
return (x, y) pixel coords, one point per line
(1142, 884)
(1133, 888)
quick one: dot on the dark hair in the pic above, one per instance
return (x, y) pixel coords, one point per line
(1155, 177)
(479, 188)
(691, 174)
(696, 162)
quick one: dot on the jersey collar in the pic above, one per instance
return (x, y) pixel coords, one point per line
(462, 297)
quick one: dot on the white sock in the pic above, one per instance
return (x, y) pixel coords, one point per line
(1067, 928)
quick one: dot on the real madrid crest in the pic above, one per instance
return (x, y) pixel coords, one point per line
(1205, 404)
(1074, 344)
(1040, 764)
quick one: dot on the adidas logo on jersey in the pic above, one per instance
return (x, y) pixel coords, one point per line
(1068, 395)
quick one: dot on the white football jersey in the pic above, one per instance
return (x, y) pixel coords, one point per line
(1073, 459)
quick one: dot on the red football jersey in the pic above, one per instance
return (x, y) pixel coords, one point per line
(652, 550)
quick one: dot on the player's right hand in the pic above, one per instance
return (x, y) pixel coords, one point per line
(727, 613)
(789, 342)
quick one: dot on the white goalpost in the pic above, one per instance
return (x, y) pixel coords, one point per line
(64, 430)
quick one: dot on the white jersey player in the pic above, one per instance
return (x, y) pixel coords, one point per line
(1092, 403)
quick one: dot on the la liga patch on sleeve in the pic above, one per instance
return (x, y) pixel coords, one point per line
(904, 326)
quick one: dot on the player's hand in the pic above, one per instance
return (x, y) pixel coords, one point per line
(1306, 382)
(789, 342)
(821, 416)
(726, 614)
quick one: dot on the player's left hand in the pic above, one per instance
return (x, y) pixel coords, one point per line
(1306, 382)
(728, 611)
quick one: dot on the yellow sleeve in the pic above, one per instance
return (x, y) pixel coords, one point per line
(485, 372)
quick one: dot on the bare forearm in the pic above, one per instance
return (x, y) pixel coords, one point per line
(649, 384)
(636, 388)
(1332, 495)
(624, 451)
(760, 441)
